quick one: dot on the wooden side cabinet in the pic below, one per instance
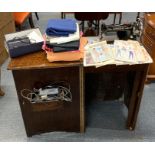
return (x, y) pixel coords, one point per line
(148, 40)
(6, 26)
(34, 69)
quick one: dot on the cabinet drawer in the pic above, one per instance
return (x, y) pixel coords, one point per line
(150, 31)
(148, 43)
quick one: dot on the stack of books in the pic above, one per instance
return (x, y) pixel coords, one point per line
(119, 53)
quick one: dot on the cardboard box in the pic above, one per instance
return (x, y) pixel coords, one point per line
(16, 46)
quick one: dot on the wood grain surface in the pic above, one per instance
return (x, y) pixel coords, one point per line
(37, 61)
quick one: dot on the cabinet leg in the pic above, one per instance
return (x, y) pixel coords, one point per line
(130, 128)
(1, 93)
(135, 99)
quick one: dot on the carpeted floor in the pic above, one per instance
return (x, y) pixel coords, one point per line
(105, 122)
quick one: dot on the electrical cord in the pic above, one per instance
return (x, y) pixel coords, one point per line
(64, 94)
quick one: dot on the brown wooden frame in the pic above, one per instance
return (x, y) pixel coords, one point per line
(32, 67)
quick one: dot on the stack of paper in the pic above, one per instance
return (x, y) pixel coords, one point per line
(120, 53)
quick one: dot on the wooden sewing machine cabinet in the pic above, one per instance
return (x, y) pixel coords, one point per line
(39, 118)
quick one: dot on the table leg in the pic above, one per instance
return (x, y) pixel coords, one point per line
(136, 96)
(1, 92)
(82, 107)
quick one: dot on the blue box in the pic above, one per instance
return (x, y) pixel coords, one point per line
(17, 43)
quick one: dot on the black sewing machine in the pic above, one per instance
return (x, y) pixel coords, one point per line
(125, 31)
(95, 28)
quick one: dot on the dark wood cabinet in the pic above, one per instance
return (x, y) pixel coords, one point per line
(148, 40)
(32, 69)
(45, 117)
(6, 26)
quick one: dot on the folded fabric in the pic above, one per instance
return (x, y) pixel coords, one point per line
(18, 42)
(64, 39)
(68, 56)
(70, 46)
(60, 27)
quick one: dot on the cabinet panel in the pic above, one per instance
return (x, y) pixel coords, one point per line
(51, 116)
(6, 26)
(5, 17)
(148, 40)
(150, 31)
(148, 43)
